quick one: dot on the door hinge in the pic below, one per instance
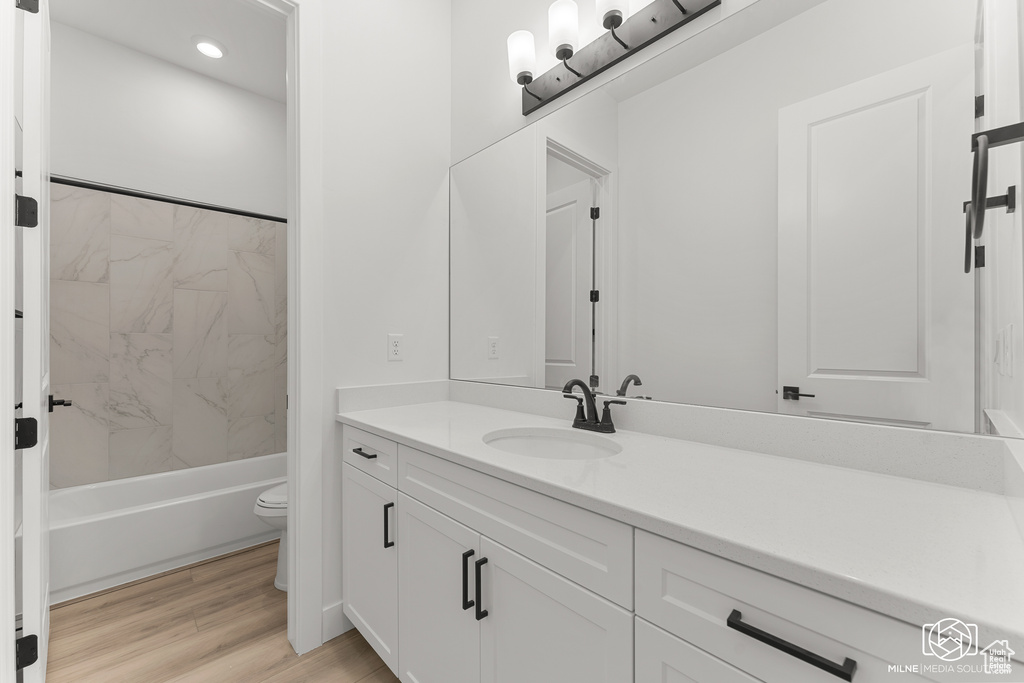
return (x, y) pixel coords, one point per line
(26, 212)
(595, 296)
(26, 651)
(26, 432)
(979, 256)
(595, 213)
(28, 5)
(979, 106)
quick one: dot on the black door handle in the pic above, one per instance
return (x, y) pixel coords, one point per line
(480, 613)
(360, 451)
(58, 402)
(466, 602)
(979, 186)
(387, 543)
(844, 671)
(793, 394)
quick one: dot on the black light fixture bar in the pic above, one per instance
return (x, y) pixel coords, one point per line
(647, 26)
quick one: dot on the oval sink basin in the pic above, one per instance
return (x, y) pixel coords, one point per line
(555, 444)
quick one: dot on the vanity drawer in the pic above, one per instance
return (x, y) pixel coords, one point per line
(692, 594)
(590, 549)
(372, 454)
(661, 657)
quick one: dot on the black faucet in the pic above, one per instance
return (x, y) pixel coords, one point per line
(588, 420)
(625, 384)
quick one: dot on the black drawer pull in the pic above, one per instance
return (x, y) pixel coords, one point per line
(466, 602)
(480, 613)
(387, 543)
(360, 451)
(844, 671)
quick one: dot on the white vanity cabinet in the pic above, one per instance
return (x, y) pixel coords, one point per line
(371, 560)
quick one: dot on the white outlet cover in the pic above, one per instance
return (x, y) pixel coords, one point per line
(493, 350)
(395, 348)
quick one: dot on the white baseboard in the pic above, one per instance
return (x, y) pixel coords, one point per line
(335, 622)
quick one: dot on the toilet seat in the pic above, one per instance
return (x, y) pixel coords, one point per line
(275, 498)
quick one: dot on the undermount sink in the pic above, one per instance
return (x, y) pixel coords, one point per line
(555, 444)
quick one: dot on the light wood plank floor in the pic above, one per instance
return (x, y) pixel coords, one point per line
(221, 621)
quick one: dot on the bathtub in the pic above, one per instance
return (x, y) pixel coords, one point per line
(104, 535)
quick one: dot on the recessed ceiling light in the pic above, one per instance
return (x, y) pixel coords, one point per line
(209, 47)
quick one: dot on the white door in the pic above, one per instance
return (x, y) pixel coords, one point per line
(876, 316)
(543, 628)
(24, 477)
(438, 629)
(369, 529)
(569, 273)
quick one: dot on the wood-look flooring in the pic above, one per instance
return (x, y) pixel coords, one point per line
(222, 621)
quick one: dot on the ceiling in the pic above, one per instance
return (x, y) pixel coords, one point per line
(253, 35)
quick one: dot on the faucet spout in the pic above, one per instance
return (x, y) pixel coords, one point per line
(588, 396)
(625, 384)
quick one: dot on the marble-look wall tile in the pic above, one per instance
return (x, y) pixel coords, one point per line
(250, 437)
(135, 452)
(147, 218)
(200, 334)
(79, 435)
(251, 234)
(79, 234)
(141, 296)
(251, 301)
(200, 431)
(140, 380)
(251, 363)
(79, 332)
(200, 249)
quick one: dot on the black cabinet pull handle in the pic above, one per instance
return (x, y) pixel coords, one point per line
(360, 451)
(387, 543)
(480, 613)
(793, 394)
(844, 671)
(466, 602)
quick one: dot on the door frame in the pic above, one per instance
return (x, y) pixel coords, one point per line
(304, 177)
(7, 331)
(603, 173)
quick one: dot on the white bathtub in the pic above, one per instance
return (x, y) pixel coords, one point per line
(103, 535)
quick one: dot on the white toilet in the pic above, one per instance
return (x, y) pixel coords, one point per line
(272, 508)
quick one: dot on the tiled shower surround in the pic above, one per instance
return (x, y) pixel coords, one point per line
(168, 333)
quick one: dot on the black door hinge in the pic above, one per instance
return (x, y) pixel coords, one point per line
(595, 296)
(979, 256)
(28, 5)
(979, 106)
(26, 432)
(595, 213)
(26, 652)
(595, 381)
(26, 212)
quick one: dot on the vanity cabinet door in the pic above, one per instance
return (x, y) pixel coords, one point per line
(543, 628)
(437, 627)
(369, 527)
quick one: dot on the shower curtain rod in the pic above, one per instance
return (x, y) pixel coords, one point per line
(88, 185)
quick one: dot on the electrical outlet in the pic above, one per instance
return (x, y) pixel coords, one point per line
(395, 347)
(492, 348)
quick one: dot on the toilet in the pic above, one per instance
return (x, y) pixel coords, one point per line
(272, 508)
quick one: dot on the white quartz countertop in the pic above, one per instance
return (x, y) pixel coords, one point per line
(914, 550)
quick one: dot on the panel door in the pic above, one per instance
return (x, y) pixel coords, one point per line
(437, 624)
(369, 528)
(569, 272)
(876, 316)
(543, 628)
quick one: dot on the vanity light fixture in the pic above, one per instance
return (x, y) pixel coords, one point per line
(628, 32)
(209, 47)
(522, 59)
(564, 31)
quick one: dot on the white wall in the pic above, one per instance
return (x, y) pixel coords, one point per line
(698, 193)
(386, 153)
(124, 118)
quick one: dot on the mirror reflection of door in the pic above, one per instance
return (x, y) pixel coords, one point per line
(876, 316)
(569, 274)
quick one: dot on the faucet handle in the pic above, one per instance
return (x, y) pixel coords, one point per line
(616, 402)
(606, 416)
(581, 417)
